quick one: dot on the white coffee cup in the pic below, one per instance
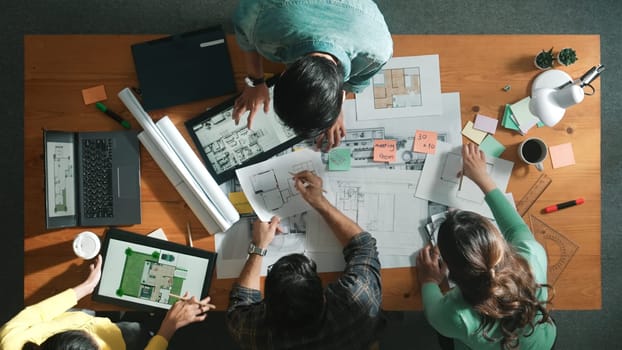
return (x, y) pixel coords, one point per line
(86, 245)
(533, 151)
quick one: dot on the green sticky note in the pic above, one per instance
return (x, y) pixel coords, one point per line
(491, 146)
(339, 159)
(508, 121)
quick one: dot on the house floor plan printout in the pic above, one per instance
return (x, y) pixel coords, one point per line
(439, 181)
(269, 185)
(405, 87)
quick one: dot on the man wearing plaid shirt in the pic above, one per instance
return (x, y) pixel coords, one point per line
(297, 312)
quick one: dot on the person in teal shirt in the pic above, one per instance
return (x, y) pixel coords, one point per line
(501, 296)
(329, 47)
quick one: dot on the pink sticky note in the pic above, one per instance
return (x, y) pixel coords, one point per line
(384, 151)
(94, 94)
(562, 155)
(485, 123)
(425, 142)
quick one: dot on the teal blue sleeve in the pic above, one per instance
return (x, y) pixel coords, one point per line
(511, 224)
(441, 312)
(244, 19)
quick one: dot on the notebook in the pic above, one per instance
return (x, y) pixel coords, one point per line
(92, 178)
(183, 68)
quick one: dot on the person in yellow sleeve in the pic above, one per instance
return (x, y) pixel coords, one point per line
(49, 325)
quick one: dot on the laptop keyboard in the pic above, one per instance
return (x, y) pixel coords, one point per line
(97, 196)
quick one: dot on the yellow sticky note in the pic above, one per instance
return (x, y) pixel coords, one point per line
(385, 151)
(94, 94)
(240, 202)
(425, 141)
(473, 134)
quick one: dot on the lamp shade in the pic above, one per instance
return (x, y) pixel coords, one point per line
(549, 102)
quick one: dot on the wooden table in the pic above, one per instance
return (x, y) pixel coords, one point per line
(58, 67)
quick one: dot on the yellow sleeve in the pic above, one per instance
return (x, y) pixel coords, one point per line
(16, 331)
(158, 342)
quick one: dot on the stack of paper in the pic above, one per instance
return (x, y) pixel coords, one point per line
(481, 133)
(518, 117)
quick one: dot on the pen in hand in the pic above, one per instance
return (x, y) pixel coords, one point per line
(307, 184)
(191, 300)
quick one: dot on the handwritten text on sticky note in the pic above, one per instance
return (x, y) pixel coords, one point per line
(384, 150)
(425, 142)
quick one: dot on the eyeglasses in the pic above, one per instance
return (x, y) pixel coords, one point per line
(269, 267)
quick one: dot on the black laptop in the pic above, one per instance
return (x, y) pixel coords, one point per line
(183, 68)
(92, 178)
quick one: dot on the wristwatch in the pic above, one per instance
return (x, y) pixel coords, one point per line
(253, 82)
(253, 249)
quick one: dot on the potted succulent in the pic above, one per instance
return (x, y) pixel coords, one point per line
(544, 59)
(567, 56)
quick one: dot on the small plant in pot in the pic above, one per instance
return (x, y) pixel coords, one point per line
(544, 60)
(567, 56)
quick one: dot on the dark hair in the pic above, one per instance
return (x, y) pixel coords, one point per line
(492, 277)
(294, 296)
(309, 94)
(67, 340)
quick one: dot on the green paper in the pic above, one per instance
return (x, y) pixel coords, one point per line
(339, 159)
(491, 146)
(508, 121)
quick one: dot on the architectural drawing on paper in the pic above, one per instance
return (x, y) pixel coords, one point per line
(361, 144)
(274, 193)
(397, 88)
(379, 207)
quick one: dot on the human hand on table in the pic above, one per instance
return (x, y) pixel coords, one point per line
(474, 167)
(251, 99)
(264, 232)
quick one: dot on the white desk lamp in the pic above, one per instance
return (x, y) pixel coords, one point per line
(554, 90)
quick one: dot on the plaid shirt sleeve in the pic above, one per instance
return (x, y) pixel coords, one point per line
(245, 312)
(361, 278)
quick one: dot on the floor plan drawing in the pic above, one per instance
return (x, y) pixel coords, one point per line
(405, 87)
(269, 185)
(151, 276)
(397, 88)
(383, 203)
(61, 185)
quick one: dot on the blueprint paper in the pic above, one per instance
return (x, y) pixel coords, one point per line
(439, 181)
(361, 133)
(383, 203)
(269, 185)
(404, 87)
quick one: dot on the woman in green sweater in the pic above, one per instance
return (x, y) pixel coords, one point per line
(500, 297)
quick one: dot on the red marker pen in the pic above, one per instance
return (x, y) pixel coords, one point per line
(559, 206)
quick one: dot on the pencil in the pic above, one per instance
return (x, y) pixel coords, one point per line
(461, 177)
(307, 184)
(189, 235)
(186, 299)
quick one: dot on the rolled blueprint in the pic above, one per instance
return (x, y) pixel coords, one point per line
(182, 167)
